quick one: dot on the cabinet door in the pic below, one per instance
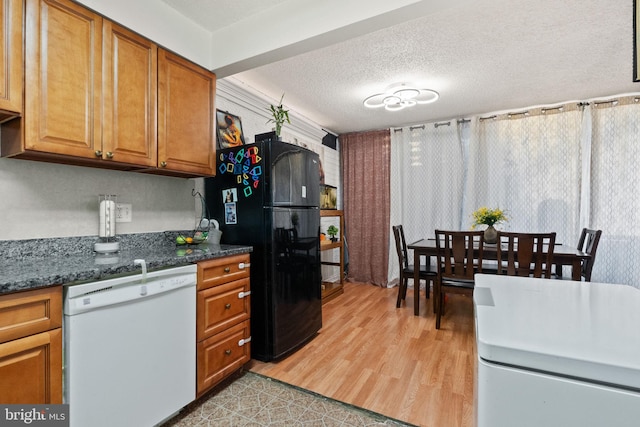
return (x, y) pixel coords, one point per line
(130, 87)
(221, 306)
(27, 313)
(221, 355)
(63, 77)
(222, 270)
(10, 59)
(186, 94)
(31, 369)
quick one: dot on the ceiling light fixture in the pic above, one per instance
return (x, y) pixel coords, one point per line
(400, 96)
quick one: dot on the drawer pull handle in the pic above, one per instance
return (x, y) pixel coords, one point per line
(244, 341)
(227, 269)
(227, 352)
(227, 306)
(243, 294)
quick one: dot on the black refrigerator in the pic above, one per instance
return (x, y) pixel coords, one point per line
(267, 195)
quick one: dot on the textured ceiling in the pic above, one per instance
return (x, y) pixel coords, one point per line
(482, 57)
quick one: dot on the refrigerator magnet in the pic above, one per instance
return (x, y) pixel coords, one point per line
(230, 213)
(230, 195)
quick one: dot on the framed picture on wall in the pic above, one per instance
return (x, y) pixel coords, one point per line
(328, 197)
(228, 130)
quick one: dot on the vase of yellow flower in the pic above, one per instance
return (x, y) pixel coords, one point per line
(489, 217)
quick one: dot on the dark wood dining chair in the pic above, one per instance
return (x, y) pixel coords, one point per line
(407, 269)
(525, 254)
(588, 243)
(459, 259)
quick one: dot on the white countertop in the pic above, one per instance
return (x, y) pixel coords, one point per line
(577, 329)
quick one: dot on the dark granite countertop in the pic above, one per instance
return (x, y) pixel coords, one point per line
(37, 263)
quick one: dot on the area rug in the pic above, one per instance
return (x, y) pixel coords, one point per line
(250, 399)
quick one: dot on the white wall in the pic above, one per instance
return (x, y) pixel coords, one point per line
(42, 200)
(155, 20)
(50, 200)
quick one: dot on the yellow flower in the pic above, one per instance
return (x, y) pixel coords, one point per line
(488, 216)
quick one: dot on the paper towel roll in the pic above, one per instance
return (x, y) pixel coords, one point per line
(107, 226)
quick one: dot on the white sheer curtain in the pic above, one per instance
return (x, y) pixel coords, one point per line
(427, 177)
(615, 176)
(558, 169)
(530, 166)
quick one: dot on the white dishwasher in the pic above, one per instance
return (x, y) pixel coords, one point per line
(129, 354)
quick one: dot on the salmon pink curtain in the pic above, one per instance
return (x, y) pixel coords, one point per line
(366, 160)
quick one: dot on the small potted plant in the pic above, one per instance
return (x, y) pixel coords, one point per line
(332, 231)
(280, 115)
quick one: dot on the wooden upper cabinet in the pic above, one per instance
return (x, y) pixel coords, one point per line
(99, 94)
(63, 75)
(130, 87)
(186, 133)
(11, 59)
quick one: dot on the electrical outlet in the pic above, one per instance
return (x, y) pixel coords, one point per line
(124, 212)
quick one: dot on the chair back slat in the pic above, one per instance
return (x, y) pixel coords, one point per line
(402, 260)
(527, 254)
(405, 252)
(588, 244)
(459, 254)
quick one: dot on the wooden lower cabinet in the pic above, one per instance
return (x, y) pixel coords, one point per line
(31, 347)
(223, 313)
(31, 369)
(222, 354)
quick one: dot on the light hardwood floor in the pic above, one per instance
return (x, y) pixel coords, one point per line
(387, 360)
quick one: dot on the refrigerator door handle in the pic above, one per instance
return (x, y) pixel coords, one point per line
(243, 294)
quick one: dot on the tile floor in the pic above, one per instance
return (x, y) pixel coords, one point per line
(249, 399)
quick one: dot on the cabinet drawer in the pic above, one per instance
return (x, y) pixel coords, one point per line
(31, 369)
(222, 354)
(222, 306)
(222, 270)
(28, 313)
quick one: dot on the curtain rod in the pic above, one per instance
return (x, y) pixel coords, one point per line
(521, 113)
(458, 121)
(543, 110)
(546, 110)
(611, 101)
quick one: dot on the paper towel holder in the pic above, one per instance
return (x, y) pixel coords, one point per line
(107, 224)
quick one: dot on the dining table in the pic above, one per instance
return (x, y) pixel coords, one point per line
(562, 255)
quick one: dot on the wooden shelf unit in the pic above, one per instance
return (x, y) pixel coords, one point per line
(331, 290)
